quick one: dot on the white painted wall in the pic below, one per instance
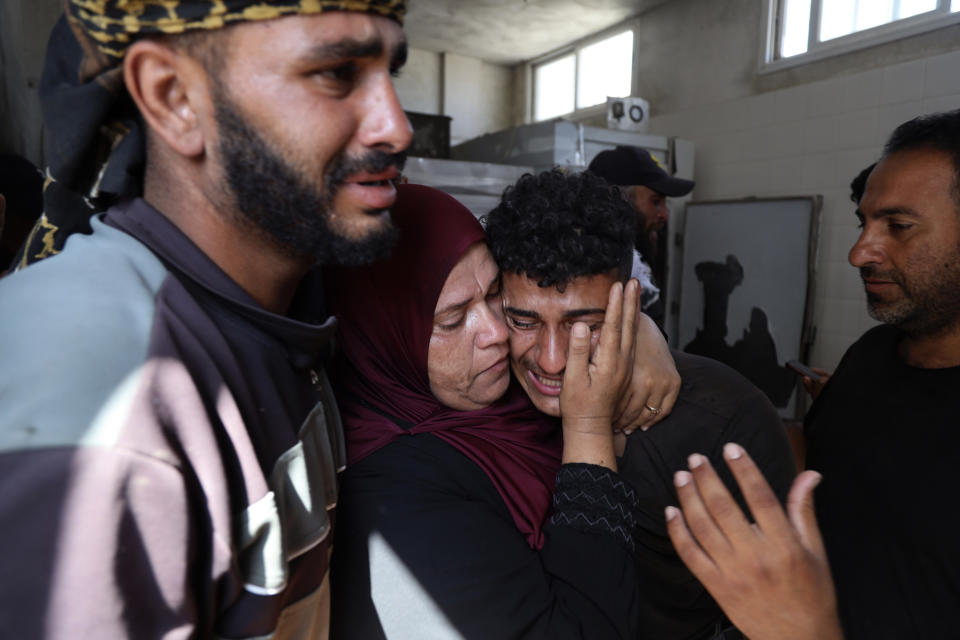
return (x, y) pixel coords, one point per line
(420, 84)
(477, 95)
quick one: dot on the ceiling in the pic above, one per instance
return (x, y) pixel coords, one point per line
(511, 31)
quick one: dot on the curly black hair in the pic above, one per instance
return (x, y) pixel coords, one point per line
(935, 131)
(557, 225)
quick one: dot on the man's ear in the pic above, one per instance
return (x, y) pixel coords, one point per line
(171, 91)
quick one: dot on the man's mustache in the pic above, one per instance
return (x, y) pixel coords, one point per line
(370, 162)
(872, 273)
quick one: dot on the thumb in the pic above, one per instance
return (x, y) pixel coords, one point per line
(578, 352)
(802, 514)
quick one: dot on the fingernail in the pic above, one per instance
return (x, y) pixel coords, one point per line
(732, 451)
(681, 478)
(627, 432)
(671, 513)
(816, 481)
(580, 330)
(645, 427)
(695, 460)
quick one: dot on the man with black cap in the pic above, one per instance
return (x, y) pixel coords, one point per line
(645, 185)
(168, 439)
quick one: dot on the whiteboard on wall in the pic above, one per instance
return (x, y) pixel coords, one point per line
(746, 288)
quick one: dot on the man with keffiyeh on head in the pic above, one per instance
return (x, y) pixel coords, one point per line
(168, 439)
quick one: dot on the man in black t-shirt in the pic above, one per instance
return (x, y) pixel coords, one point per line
(883, 434)
(892, 403)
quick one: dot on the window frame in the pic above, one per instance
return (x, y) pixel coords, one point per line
(937, 18)
(575, 49)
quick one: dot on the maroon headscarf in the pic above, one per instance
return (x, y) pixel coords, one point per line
(386, 318)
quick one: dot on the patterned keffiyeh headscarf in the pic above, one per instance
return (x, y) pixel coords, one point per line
(93, 136)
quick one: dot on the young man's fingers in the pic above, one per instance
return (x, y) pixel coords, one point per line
(628, 333)
(719, 503)
(697, 516)
(756, 491)
(610, 332)
(578, 353)
(802, 514)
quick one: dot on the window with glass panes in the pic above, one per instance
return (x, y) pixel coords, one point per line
(804, 26)
(583, 77)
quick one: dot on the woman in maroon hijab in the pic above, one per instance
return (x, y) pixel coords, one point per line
(457, 518)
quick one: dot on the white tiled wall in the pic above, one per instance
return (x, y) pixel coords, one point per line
(814, 139)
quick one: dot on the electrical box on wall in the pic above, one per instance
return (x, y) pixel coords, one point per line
(628, 114)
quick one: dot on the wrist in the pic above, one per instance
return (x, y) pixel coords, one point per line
(590, 448)
(586, 425)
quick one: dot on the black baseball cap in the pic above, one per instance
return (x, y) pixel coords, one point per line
(625, 166)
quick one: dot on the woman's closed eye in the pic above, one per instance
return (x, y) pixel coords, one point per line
(449, 323)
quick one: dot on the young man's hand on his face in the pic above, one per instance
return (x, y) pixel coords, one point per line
(593, 386)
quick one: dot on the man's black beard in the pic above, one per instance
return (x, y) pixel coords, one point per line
(276, 201)
(644, 244)
(929, 306)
